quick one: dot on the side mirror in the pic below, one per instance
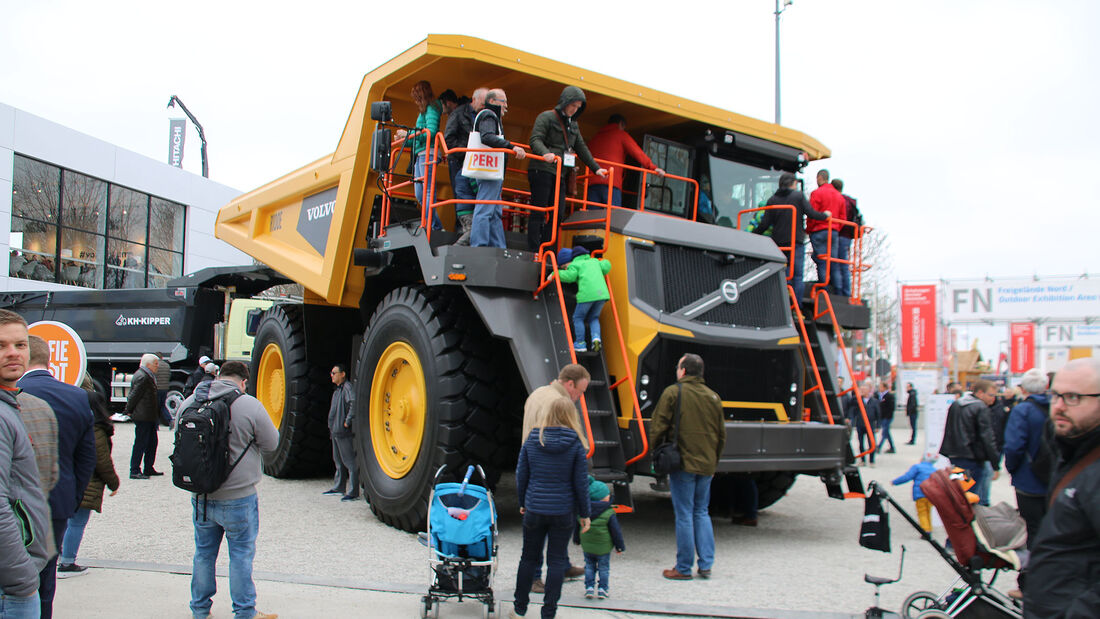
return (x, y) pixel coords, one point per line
(380, 149)
(381, 111)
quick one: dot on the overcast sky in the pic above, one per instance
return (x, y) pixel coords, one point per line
(967, 129)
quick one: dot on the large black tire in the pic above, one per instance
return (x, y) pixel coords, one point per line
(295, 394)
(174, 397)
(430, 388)
(771, 486)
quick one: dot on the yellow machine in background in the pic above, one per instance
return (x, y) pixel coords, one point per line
(446, 341)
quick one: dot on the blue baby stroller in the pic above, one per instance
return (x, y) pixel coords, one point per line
(462, 543)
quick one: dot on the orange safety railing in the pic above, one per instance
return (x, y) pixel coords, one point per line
(786, 249)
(818, 296)
(583, 188)
(854, 261)
(819, 386)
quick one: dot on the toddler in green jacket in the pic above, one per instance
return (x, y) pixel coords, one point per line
(603, 535)
(588, 273)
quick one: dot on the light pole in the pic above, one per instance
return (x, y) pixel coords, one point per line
(780, 6)
(202, 136)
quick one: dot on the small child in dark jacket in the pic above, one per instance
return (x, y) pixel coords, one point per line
(917, 474)
(597, 542)
(587, 272)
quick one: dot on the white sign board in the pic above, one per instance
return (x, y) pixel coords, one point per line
(924, 381)
(1022, 299)
(935, 419)
(1062, 334)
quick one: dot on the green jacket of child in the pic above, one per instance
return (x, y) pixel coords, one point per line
(587, 272)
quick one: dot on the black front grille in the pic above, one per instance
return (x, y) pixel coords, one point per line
(671, 277)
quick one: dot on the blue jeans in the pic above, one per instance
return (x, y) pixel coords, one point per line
(555, 532)
(986, 484)
(74, 533)
(977, 470)
(694, 532)
(841, 271)
(15, 607)
(488, 228)
(598, 194)
(239, 521)
(820, 242)
(586, 315)
(600, 563)
(886, 435)
(799, 266)
(419, 170)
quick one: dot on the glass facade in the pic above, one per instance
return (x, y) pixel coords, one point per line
(74, 229)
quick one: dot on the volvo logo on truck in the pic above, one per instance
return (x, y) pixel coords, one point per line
(142, 321)
(315, 218)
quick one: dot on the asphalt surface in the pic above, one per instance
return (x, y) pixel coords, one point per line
(320, 557)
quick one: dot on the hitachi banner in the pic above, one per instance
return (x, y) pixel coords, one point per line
(1023, 299)
(177, 131)
(918, 324)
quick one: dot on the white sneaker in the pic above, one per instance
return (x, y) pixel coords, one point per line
(119, 417)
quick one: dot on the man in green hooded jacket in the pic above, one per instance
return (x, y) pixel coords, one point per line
(555, 134)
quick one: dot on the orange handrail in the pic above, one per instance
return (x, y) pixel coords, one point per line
(645, 173)
(818, 296)
(820, 384)
(854, 260)
(629, 378)
(787, 249)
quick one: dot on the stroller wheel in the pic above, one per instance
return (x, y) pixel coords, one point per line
(933, 613)
(917, 603)
(429, 608)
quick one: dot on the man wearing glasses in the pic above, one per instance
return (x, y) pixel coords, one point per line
(1063, 575)
(341, 413)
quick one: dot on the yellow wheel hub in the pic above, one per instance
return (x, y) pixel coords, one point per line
(271, 383)
(398, 401)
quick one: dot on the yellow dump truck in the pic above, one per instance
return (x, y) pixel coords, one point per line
(444, 341)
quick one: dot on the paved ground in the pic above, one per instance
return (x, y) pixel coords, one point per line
(320, 557)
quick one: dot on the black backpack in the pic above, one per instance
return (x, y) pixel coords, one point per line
(200, 457)
(854, 216)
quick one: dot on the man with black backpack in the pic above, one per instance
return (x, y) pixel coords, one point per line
(234, 428)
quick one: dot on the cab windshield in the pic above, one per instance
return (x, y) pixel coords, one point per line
(734, 187)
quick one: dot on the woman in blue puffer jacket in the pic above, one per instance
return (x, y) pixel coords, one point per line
(552, 485)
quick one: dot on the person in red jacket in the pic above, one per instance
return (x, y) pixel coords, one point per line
(612, 143)
(824, 234)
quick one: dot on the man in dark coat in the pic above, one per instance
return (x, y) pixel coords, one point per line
(1063, 574)
(886, 403)
(75, 451)
(968, 434)
(864, 431)
(341, 414)
(196, 376)
(460, 123)
(911, 411)
(1023, 438)
(780, 221)
(141, 406)
(701, 436)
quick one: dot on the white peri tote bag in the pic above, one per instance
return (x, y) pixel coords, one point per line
(480, 164)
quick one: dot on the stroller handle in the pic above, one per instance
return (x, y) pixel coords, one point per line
(469, 473)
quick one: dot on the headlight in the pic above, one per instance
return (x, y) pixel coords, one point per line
(794, 387)
(793, 401)
(645, 379)
(643, 395)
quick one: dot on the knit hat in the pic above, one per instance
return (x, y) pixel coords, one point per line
(597, 490)
(203, 360)
(564, 256)
(579, 251)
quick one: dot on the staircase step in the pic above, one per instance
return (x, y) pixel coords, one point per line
(610, 475)
(607, 444)
(595, 412)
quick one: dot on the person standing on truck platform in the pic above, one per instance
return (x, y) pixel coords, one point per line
(232, 511)
(488, 227)
(1063, 573)
(24, 542)
(556, 134)
(612, 143)
(823, 235)
(460, 123)
(341, 414)
(141, 406)
(76, 454)
(845, 236)
(701, 438)
(571, 383)
(431, 110)
(196, 376)
(779, 222)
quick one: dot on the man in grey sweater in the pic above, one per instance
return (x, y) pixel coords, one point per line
(24, 514)
(233, 509)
